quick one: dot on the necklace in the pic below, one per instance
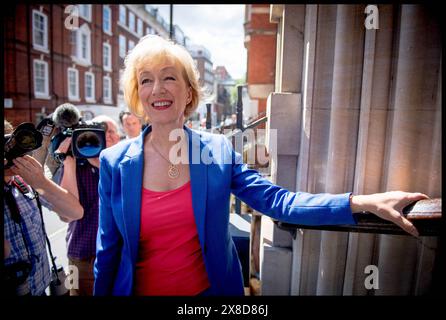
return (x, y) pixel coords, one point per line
(174, 171)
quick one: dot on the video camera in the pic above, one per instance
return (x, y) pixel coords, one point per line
(87, 139)
(24, 139)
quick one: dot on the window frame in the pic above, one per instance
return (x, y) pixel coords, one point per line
(139, 26)
(107, 99)
(122, 13)
(122, 46)
(91, 98)
(81, 14)
(104, 9)
(108, 66)
(44, 47)
(70, 96)
(44, 94)
(134, 44)
(83, 30)
(132, 22)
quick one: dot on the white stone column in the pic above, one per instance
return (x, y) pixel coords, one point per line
(410, 140)
(375, 94)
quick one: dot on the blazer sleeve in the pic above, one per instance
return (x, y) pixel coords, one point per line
(283, 205)
(109, 242)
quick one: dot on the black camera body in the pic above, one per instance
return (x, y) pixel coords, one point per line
(87, 139)
(23, 140)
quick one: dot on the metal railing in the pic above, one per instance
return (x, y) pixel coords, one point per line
(424, 214)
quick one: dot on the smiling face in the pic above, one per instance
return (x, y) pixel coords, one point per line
(163, 92)
(131, 125)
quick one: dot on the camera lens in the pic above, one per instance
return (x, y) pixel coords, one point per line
(26, 140)
(88, 144)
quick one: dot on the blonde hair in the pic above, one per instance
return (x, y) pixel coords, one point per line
(153, 50)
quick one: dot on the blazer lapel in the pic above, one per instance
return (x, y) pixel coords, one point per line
(131, 185)
(198, 177)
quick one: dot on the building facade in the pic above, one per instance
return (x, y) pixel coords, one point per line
(260, 42)
(356, 109)
(203, 61)
(68, 53)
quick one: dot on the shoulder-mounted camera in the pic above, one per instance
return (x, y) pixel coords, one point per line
(87, 139)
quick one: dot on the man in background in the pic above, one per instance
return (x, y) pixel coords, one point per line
(130, 123)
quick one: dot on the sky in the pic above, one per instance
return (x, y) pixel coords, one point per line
(219, 28)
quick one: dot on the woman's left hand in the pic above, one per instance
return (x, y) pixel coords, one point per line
(389, 206)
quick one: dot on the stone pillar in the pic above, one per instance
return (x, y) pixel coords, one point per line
(375, 94)
(348, 61)
(410, 140)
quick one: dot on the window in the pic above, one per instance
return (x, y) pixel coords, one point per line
(131, 21)
(40, 79)
(40, 31)
(139, 24)
(122, 46)
(107, 56)
(73, 84)
(85, 11)
(81, 45)
(106, 19)
(89, 87)
(122, 14)
(131, 44)
(107, 90)
(84, 46)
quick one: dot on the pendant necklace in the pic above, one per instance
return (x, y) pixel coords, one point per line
(174, 171)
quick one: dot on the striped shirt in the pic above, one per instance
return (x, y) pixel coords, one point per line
(34, 249)
(81, 234)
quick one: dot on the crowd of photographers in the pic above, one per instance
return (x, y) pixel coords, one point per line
(70, 148)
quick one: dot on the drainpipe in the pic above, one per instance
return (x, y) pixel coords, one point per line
(28, 51)
(56, 97)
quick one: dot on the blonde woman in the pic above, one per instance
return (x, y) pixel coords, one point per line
(163, 226)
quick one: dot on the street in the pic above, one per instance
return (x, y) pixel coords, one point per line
(56, 231)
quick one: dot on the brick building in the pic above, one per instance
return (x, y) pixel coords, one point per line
(260, 42)
(56, 53)
(202, 58)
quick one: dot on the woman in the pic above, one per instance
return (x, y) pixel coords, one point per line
(163, 226)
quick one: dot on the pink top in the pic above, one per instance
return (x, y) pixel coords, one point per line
(170, 261)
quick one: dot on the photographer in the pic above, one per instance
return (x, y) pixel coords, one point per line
(80, 177)
(25, 187)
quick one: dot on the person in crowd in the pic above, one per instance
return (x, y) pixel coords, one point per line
(80, 177)
(164, 196)
(130, 123)
(25, 189)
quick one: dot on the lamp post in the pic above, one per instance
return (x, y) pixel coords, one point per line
(171, 22)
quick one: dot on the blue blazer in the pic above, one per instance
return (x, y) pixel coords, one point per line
(213, 179)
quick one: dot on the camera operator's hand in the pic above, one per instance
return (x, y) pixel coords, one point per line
(64, 145)
(94, 162)
(66, 205)
(30, 170)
